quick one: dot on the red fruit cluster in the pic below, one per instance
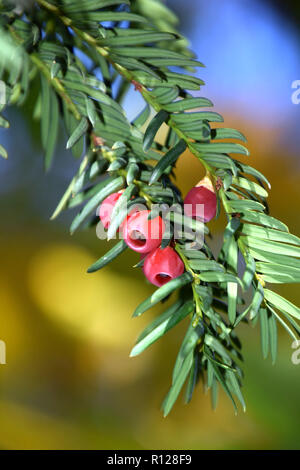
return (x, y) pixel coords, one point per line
(202, 197)
(107, 206)
(162, 265)
(144, 235)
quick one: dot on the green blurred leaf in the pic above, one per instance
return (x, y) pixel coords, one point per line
(274, 258)
(222, 148)
(101, 16)
(84, 195)
(188, 118)
(231, 228)
(187, 104)
(264, 219)
(171, 79)
(215, 344)
(153, 127)
(49, 120)
(250, 186)
(188, 223)
(226, 133)
(4, 123)
(132, 173)
(273, 336)
(55, 69)
(194, 254)
(149, 52)
(264, 331)
(167, 160)
(63, 201)
(135, 65)
(166, 323)
(140, 120)
(282, 322)
(107, 187)
(175, 62)
(192, 382)
(120, 210)
(232, 380)
(164, 95)
(90, 5)
(163, 292)
(205, 265)
(270, 246)
(87, 176)
(177, 385)
(161, 318)
(91, 111)
(191, 339)
(117, 164)
(3, 152)
(78, 133)
(139, 37)
(282, 304)
(249, 272)
(270, 234)
(220, 378)
(218, 277)
(53, 129)
(271, 268)
(278, 278)
(108, 257)
(256, 301)
(220, 161)
(245, 205)
(46, 103)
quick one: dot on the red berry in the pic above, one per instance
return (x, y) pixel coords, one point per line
(107, 207)
(143, 235)
(162, 265)
(203, 194)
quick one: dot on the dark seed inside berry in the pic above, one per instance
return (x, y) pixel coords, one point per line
(162, 278)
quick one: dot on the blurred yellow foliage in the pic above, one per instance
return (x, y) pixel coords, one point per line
(96, 306)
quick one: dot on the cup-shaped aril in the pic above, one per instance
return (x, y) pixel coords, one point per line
(142, 234)
(107, 207)
(162, 265)
(201, 201)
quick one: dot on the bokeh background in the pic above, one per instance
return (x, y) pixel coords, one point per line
(69, 382)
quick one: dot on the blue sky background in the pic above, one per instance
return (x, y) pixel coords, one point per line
(251, 55)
